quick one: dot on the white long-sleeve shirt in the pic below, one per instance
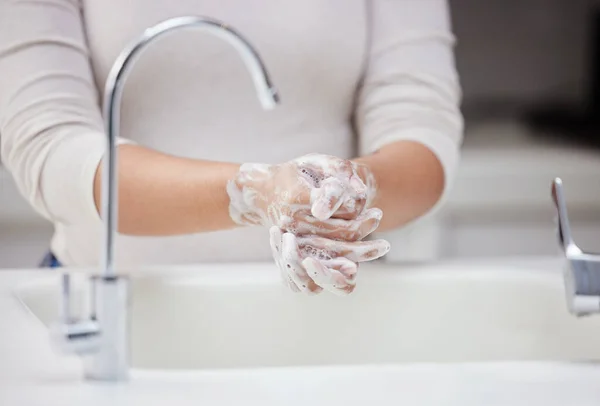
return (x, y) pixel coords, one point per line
(387, 63)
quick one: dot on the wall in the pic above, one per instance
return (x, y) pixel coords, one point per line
(522, 51)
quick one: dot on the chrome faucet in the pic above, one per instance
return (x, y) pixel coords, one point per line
(103, 337)
(582, 273)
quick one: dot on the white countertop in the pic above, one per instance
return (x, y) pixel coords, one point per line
(513, 384)
(32, 374)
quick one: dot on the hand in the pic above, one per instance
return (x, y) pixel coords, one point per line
(302, 195)
(313, 264)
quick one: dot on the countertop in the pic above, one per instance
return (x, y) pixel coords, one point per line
(32, 374)
(513, 384)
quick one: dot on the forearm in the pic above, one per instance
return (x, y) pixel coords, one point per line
(410, 181)
(163, 195)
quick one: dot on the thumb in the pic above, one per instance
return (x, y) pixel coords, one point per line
(327, 199)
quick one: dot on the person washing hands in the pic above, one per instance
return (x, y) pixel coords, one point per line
(367, 136)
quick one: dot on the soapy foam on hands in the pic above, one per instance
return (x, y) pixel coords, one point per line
(337, 276)
(330, 184)
(331, 265)
(311, 251)
(327, 199)
(358, 251)
(313, 177)
(305, 273)
(320, 176)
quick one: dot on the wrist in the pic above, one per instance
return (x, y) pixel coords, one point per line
(409, 178)
(242, 191)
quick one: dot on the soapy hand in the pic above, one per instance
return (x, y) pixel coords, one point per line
(311, 195)
(317, 208)
(313, 264)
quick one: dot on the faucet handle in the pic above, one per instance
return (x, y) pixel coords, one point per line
(76, 337)
(582, 274)
(72, 335)
(564, 228)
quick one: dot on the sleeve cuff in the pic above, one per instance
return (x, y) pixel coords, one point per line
(69, 179)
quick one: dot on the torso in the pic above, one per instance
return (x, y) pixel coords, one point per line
(190, 95)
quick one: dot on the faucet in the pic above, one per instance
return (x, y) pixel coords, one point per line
(582, 271)
(102, 338)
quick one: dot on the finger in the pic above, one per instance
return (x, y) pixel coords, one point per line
(358, 251)
(327, 199)
(369, 180)
(362, 226)
(360, 194)
(337, 229)
(292, 263)
(344, 266)
(276, 237)
(368, 223)
(358, 185)
(329, 279)
(348, 269)
(351, 209)
(354, 199)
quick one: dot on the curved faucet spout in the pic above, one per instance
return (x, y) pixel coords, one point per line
(267, 95)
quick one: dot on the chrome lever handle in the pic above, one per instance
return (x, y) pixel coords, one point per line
(564, 228)
(78, 337)
(582, 274)
(72, 335)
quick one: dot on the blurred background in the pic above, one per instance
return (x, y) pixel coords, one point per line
(530, 72)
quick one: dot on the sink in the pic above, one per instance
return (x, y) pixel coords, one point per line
(240, 316)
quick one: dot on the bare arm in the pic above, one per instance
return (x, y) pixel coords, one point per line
(410, 180)
(161, 194)
(409, 121)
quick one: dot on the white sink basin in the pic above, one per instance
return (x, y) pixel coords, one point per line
(230, 316)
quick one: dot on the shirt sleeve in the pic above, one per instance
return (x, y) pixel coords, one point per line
(411, 89)
(51, 131)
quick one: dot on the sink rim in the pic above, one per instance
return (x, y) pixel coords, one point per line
(265, 273)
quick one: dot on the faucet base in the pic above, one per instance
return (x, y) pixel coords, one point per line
(582, 284)
(110, 308)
